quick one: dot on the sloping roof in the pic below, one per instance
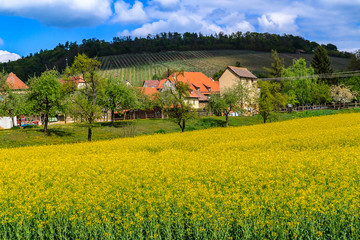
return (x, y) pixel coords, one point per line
(242, 72)
(198, 80)
(202, 97)
(161, 83)
(15, 83)
(149, 91)
(151, 83)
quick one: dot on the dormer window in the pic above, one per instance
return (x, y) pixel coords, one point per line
(209, 89)
(197, 89)
(191, 92)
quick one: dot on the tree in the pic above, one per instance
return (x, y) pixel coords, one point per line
(177, 106)
(321, 61)
(231, 100)
(277, 66)
(353, 83)
(117, 97)
(271, 99)
(342, 94)
(45, 94)
(85, 101)
(300, 84)
(217, 75)
(11, 103)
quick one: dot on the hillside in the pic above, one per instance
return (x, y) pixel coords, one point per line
(139, 67)
(159, 45)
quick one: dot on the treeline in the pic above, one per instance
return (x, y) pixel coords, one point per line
(63, 54)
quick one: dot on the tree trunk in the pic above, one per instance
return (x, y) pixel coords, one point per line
(227, 120)
(183, 126)
(89, 134)
(112, 117)
(65, 118)
(125, 115)
(162, 114)
(13, 122)
(46, 120)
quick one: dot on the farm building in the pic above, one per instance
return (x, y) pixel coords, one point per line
(16, 85)
(235, 75)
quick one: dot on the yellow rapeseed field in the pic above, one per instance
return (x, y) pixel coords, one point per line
(286, 180)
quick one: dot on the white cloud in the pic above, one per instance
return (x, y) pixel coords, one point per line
(6, 56)
(175, 23)
(61, 13)
(124, 13)
(278, 23)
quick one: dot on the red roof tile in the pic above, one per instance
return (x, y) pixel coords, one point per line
(149, 91)
(15, 83)
(198, 80)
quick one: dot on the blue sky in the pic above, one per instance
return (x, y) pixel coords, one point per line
(26, 26)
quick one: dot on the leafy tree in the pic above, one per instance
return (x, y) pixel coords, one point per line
(85, 101)
(321, 61)
(321, 93)
(232, 100)
(11, 103)
(45, 94)
(177, 106)
(271, 99)
(217, 75)
(353, 83)
(117, 97)
(277, 66)
(301, 86)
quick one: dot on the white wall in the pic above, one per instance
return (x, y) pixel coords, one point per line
(6, 123)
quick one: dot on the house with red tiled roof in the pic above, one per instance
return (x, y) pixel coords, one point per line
(200, 86)
(15, 83)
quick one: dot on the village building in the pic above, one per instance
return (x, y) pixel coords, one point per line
(239, 75)
(16, 85)
(201, 87)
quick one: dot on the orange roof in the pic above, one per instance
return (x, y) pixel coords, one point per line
(15, 83)
(197, 80)
(149, 91)
(161, 83)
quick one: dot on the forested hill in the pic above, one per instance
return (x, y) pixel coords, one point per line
(64, 54)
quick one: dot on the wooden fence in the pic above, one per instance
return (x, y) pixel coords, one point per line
(315, 107)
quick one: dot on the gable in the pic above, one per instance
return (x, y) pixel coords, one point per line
(15, 83)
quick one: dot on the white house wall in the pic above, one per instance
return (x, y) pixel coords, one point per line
(6, 123)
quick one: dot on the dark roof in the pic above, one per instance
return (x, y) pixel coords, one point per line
(202, 97)
(242, 72)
